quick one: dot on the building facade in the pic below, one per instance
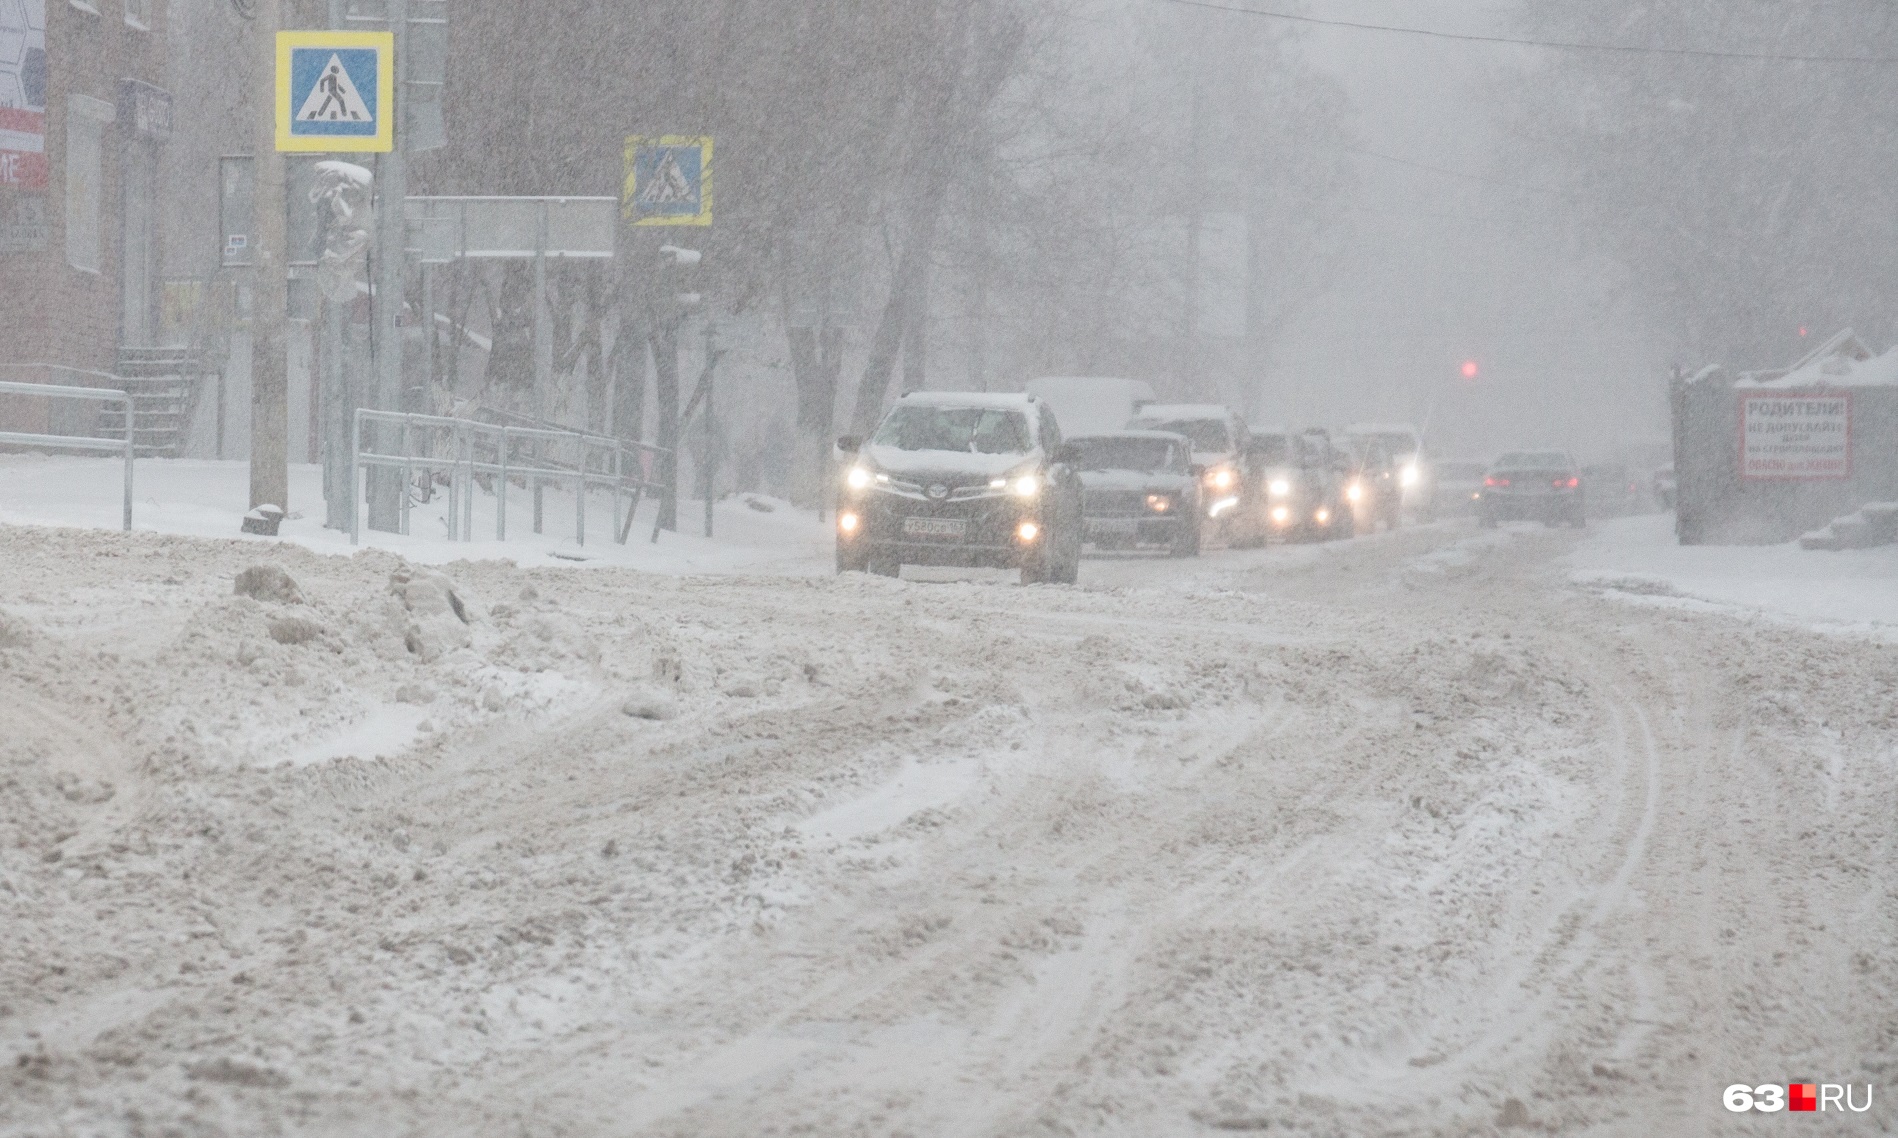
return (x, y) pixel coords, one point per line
(83, 116)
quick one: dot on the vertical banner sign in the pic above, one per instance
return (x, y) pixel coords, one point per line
(335, 92)
(668, 181)
(23, 95)
(24, 227)
(1796, 438)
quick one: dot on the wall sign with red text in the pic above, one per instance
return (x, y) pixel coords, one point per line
(1788, 437)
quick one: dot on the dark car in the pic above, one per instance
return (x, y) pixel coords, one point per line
(964, 479)
(1139, 489)
(1218, 436)
(1295, 487)
(1374, 487)
(1539, 485)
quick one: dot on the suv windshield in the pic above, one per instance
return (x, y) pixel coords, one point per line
(1533, 460)
(971, 430)
(1128, 454)
(1204, 434)
(1396, 443)
(1274, 450)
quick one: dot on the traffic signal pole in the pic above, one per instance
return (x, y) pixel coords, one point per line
(270, 287)
(392, 188)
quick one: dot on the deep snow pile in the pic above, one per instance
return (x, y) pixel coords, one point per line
(1400, 836)
(1637, 559)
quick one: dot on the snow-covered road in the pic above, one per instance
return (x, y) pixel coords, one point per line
(1406, 835)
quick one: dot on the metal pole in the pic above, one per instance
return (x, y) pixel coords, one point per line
(269, 363)
(708, 463)
(500, 495)
(454, 486)
(543, 325)
(355, 468)
(339, 486)
(391, 189)
(580, 497)
(131, 436)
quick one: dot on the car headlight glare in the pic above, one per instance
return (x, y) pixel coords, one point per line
(1027, 486)
(1159, 503)
(1410, 476)
(848, 523)
(1355, 492)
(858, 478)
(1280, 487)
(1222, 479)
(1281, 515)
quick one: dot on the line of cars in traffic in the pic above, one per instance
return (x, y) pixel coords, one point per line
(991, 480)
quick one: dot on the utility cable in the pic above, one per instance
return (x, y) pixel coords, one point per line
(1560, 45)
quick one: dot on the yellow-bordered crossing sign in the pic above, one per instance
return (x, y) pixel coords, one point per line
(668, 180)
(335, 92)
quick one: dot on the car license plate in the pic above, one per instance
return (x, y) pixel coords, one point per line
(1115, 526)
(935, 527)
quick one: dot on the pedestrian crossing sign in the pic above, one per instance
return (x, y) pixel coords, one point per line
(335, 92)
(668, 180)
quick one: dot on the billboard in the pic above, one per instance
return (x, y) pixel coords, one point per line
(1787, 437)
(23, 95)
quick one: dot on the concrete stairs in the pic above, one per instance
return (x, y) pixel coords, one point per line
(164, 385)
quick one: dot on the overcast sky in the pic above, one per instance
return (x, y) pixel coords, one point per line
(1442, 268)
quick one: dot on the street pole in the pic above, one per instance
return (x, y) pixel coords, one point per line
(339, 412)
(387, 486)
(270, 291)
(708, 463)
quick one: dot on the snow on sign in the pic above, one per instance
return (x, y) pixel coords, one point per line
(1796, 438)
(335, 92)
(668, 181)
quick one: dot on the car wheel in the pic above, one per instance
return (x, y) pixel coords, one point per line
(1186, 543)
(1034, 569)
(851, 560)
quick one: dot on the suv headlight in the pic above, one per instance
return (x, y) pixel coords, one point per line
(1027, 486)
(1410, 475)
(1279, 487)
(1222, 478)
(859, 478)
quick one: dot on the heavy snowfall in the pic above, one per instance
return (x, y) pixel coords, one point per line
(1142, 568)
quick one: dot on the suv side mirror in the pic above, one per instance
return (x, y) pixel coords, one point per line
(849, 444)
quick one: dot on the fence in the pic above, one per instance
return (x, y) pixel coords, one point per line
(77, 442)
(466, 449)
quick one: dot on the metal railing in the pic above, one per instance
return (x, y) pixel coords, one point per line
(76, 442)
(465, 449)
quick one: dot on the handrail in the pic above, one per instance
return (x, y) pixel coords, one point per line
(77, 442)
(463, 465)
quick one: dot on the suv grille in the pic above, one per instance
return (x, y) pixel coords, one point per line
(1114, 503)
